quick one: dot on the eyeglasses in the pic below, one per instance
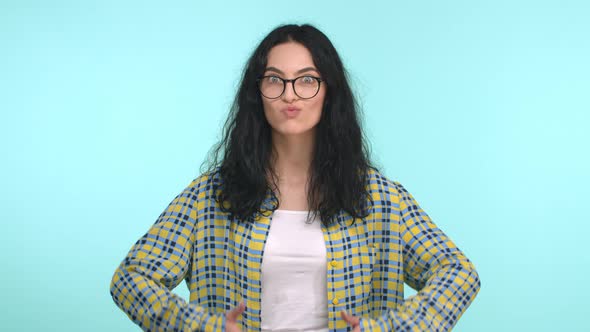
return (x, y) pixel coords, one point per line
(305, 87)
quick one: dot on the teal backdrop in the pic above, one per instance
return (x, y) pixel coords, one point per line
(480, 108)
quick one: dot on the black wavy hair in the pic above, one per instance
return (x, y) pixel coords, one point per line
(340, 165)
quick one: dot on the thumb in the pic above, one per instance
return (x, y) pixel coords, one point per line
(233, 314)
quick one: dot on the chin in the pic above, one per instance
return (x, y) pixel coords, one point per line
(294, 131)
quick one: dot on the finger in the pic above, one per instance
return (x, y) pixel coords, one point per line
(350, 319)
(233, 314)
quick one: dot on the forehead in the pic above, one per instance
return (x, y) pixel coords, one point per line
(289, 57)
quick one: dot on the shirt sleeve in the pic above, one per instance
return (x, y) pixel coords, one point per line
(446, 280)
(142, 284)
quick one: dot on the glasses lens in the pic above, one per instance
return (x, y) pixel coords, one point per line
(306, 86)
(271, 86)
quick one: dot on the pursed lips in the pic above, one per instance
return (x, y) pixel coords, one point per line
(291, 112)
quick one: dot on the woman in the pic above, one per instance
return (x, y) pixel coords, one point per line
(293, 229)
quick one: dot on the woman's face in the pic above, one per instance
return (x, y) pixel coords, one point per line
(290, 114)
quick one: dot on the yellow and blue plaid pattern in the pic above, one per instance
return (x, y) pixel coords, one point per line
(368, 264)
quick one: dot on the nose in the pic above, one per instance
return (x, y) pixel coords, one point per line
(289, 93)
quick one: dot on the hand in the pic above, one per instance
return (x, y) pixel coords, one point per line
(352, 321)
(231, 321)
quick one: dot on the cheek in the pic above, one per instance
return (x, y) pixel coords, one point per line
(317, 110)
(269, 111)
(318, 104)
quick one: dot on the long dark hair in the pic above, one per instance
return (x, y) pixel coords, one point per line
(340, 165)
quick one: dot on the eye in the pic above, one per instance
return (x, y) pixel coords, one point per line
(274, 80)
(308, 80)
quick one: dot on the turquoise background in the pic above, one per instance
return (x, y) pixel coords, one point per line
(480, 108)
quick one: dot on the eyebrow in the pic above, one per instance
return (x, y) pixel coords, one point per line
(276, 70)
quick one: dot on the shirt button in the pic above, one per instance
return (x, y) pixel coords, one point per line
(335, 301)
(334, 263)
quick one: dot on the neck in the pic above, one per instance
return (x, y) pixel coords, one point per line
(292, 157)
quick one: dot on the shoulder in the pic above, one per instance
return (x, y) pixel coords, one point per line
(378, 183)
(205, 183)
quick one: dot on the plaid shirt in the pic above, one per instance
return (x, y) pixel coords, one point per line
(367, 266)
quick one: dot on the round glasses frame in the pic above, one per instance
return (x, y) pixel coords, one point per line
(285, 81)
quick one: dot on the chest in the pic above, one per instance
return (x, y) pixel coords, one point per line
(293, 197)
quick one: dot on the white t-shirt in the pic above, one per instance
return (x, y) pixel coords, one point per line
(294, 267)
